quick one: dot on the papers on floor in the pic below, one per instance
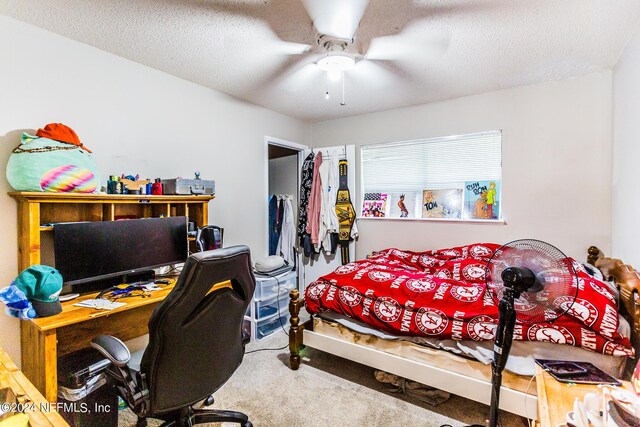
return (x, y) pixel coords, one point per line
(100, 304)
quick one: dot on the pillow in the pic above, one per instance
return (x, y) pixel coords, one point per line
(593, 271)
(43, 164)
(269, 263)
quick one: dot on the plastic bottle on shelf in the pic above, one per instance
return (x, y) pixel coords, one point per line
(118, 186)
(111, 185)
(156, 188)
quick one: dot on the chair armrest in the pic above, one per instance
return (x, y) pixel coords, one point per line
(113, 349)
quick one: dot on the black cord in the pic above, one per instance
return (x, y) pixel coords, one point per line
(267, 349)
(278, 307)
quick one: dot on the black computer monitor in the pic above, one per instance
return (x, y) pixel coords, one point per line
(87, 253)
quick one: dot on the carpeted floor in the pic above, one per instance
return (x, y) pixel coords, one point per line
(328, 391)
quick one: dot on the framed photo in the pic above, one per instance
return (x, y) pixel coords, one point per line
(374, 205)
(438, 203)
(402, 205)
(482, 199)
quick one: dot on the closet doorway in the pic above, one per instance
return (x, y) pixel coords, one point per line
(283, 180)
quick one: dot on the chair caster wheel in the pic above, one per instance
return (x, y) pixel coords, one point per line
(209, 401)
(247, 424)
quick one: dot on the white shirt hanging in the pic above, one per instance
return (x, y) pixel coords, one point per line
(288, 234)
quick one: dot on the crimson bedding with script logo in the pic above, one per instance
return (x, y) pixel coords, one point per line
(443, 293)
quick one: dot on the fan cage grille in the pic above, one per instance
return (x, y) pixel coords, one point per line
(553, 269)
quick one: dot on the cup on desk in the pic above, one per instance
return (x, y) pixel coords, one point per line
(586, 412)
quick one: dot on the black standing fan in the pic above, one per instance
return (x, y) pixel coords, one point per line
(533, 280)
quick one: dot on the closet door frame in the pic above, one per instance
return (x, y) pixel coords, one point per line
(269, 140)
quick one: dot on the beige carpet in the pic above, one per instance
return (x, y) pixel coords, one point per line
(328, 391)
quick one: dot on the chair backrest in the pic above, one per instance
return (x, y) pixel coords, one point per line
(195, 334)
(209, 237)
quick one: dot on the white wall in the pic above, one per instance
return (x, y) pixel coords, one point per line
(283, 179)
(556, 155)
(136, 120)
(626, 154)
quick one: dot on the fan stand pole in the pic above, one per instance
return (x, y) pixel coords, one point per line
(501, 349)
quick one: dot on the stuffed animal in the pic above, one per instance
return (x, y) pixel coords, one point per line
(17, 303)
(53, 160)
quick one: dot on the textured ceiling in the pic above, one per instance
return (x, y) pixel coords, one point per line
(408, 51)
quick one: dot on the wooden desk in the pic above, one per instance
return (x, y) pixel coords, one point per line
(10, 376)
(555, 399)
(45, 339)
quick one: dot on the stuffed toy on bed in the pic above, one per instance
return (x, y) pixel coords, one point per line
(53, 160)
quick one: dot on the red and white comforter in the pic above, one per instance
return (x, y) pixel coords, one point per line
(442, 293)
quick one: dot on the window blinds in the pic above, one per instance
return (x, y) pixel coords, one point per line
(433, 163)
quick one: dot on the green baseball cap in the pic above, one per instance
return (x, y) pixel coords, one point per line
(42, 285)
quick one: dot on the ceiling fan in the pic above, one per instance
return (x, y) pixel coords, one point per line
(336, 25)
(364, 40)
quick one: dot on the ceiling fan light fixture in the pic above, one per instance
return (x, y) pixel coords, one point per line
(336, 63)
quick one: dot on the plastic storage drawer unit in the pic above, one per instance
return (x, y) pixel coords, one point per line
(267, 287)
(269, 309)
(272, 325)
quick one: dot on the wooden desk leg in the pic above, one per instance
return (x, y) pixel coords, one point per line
(543, 406)
(39, 358)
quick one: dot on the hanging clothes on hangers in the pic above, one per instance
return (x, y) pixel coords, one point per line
(280, 214)
(306, 182)
(287, 240)
(328, 233)
(313, 209)
(273, 228)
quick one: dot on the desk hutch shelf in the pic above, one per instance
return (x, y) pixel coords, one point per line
(43, 340)
(37, 212)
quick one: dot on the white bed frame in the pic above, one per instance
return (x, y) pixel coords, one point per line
(452, 382)
(479, 390)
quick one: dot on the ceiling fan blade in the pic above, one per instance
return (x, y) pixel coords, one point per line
(290, 26)
(337, 18)
(297, 65)
(395, 48)
(282, 47)
(373, 73)
(303, 77)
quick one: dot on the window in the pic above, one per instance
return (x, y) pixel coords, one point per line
(453, 177)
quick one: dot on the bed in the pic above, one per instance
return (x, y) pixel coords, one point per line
(390, 346)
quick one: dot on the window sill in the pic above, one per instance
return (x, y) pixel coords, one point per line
(449, 220)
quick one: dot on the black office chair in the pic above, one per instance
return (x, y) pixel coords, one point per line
(195, 342)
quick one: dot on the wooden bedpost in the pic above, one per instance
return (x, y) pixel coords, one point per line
(594, 254)
(295, 331)
(628, 282)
